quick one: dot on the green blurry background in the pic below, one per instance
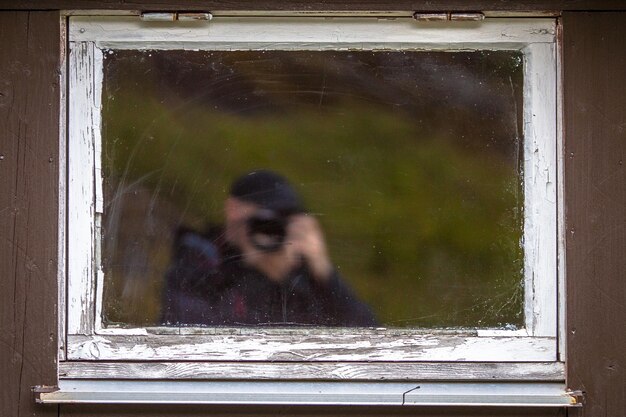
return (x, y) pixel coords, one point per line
(410, 160)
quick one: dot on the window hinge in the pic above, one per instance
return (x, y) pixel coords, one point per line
(448, 16)
(176, 16)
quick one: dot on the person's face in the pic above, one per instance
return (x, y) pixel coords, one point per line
(237, 212)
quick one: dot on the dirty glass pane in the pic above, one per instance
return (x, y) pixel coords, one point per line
(408, 162)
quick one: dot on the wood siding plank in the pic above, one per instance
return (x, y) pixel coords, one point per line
(300, 5)
(594, 62)
(29, 138)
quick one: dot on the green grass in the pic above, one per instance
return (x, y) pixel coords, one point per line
(426, 232)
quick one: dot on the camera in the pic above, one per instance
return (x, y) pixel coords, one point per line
(267, 230)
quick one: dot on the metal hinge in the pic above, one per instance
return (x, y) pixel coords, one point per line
(176, 16)
(448, 16)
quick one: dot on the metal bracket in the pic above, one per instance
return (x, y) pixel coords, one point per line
(448, 16)
(38, 389)
(507, 394)
(578, 397)
(43, 389)
(176, 16)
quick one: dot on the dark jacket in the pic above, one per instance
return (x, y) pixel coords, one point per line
(203, 290)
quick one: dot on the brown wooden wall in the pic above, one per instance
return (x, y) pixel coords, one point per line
(29, 118)
(594, 62)
(594, 53)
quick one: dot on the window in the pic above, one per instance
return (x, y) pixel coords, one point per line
(495, 79)
(415, 180)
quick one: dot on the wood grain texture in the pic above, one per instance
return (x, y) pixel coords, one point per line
(333, 371)
(311, 33)
(594, 63)
(84, 131)
(421, 5)
(29, 136)
(360, 346)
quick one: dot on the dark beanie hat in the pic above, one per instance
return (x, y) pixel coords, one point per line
(268, 190)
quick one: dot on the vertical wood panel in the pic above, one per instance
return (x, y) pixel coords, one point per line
(300, 5)
(594, 62)
(29, 136)
(540, 189)
(84, 129)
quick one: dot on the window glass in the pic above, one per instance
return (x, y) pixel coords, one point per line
(408, 162)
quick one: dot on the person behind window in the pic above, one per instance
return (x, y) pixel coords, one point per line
(269, 267)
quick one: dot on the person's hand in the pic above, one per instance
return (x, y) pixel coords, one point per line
(306, 240)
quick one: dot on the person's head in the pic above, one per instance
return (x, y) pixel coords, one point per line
(255, 194)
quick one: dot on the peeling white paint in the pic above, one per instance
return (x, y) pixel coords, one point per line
(315, 33)
(540, 210)
(87, 339)
(84, 131)
(377, 371)
(315, 348)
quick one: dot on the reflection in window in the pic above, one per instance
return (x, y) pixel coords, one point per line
(409, 161)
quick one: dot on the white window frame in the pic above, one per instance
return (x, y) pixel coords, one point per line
(89, 350)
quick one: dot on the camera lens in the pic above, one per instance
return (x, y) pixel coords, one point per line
(267, 230)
